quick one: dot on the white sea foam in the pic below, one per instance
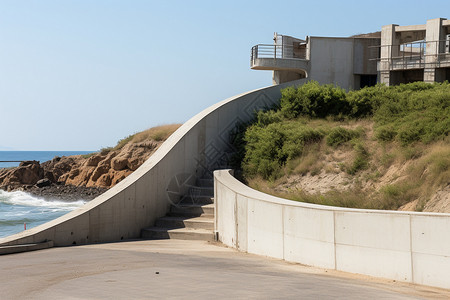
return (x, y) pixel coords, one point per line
(25, 199)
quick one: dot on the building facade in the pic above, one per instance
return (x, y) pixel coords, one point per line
(397, 54)
(415, 52)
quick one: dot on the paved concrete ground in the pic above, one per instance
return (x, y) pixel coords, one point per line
(181, 269)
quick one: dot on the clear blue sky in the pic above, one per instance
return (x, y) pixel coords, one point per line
(80, 75)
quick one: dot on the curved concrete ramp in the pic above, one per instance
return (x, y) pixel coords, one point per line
(197, 148)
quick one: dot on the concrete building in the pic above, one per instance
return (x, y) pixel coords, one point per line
(415, 52)
(397, 54)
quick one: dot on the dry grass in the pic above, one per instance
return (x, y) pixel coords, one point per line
(333, 198)
(158, 133)
(310, 161)
(392, 143)
(395, 175)
(430, 172)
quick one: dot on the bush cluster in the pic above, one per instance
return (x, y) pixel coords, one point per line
(408, 113)
(339, 135)
(269, 148)
(313, 100)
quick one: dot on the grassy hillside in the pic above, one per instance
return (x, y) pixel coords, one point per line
(158, 133)
(378, 147)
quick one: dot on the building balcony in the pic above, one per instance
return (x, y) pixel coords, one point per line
(441, 60)
(279, 58)
(417, 55)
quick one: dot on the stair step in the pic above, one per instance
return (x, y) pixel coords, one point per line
(197, 200)
(206, 182)
(181, 222)
(192, 210)
(178, 233)
(201, 191)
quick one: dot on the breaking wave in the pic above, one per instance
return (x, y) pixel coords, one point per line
(20, 208)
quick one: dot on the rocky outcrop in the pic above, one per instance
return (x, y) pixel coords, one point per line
(98, 170)
(28, 172)
(108, 169)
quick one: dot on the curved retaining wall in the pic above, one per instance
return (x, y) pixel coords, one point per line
(200, 145)
(404, 246)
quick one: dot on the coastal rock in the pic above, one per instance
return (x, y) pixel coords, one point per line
(104, 180)
(58, 166)
(99, 171)
(49, 175)
(93, 160)
(43, 182)
(74, 172)
(84, 174)
(28, 172)
(119, 176)
(63, 178)
(102, 170)
(119, 163)
(28, 163)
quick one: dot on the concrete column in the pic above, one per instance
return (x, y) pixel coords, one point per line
(389, 48)
(434, 34)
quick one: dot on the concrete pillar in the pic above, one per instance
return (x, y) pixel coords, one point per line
(435, 45)
(288, 47)
(280, 77)
(389, 48)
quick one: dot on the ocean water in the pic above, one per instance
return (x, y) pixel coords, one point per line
(40, 156)
(19, 208)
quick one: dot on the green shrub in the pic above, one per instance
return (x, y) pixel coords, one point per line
(422, 109)
(124, 141)
(264, 118)
(340, 135)
(361, 161)
(312, 99)
(267, 149)
(385, 134)
(394, 196)
(408, 113)
(417, 112)
(106, 150)
(363, 102)
(410, 134)
(89, 155)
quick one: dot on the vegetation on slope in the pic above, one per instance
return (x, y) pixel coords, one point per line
(365, 134)
(158, 133)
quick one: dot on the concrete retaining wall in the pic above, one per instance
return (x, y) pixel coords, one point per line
(197, 147)
(405, 246)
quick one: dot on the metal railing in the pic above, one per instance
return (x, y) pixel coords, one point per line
(415, 55)
(277, 52)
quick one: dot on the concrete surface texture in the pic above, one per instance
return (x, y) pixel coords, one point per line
(170, 269)
(404, 246)
(332, 61)
(198, 147)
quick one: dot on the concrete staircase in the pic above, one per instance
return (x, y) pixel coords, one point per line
(190, 219)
